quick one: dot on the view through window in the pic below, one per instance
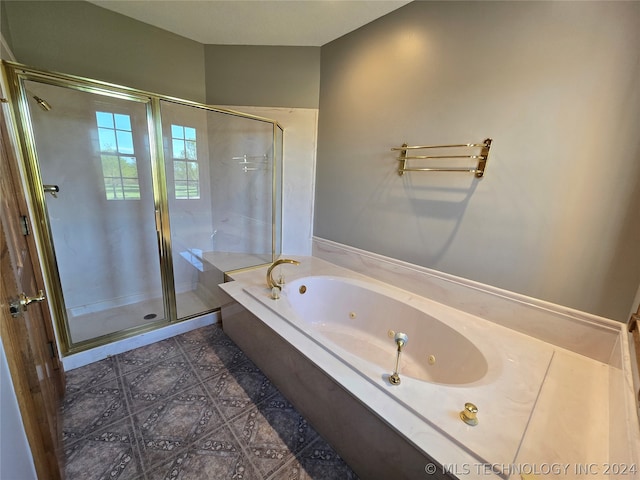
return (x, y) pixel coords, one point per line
(119, 165)
(186, 175)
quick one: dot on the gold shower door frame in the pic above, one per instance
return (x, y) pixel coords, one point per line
(15, 75)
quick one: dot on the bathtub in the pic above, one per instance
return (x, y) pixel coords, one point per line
(362, 321)
(345, 326)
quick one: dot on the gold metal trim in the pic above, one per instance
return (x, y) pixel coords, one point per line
(121, 91)
(15, 75)
(478, 171)
(274, 201)
(228, 275)
(161, 204)
(35, 197)
(277, 196)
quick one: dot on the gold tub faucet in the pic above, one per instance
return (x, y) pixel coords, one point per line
(271, 283)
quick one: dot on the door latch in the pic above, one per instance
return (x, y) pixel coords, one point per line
(19, 305)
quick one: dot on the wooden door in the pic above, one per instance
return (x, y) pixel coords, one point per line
(28, 338)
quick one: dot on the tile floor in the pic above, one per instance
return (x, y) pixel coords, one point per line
(192, 407)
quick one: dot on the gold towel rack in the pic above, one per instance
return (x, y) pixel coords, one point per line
(482, 157)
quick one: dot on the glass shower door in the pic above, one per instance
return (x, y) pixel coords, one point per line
(220, 181)
(93, 154)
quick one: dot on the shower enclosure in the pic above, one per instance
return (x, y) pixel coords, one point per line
(141, 202)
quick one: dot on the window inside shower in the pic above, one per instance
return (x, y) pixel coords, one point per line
(184, 152)
(119, 165)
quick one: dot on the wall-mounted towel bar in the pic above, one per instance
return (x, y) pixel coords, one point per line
(482, 157)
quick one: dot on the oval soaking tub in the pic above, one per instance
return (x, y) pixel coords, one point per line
(363, 322)
(344, 326)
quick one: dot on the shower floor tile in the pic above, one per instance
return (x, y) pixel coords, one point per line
(192, 407)
(103, 322)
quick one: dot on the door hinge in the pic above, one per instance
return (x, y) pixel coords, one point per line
(24, 224)
(52, 349)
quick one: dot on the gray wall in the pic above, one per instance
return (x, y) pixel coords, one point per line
(262, 76)
(555, 84)
(83, 39)
(80, 38)
(4, 22)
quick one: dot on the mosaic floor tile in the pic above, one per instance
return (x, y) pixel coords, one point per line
(202, 337)
(217, 456)
(192, 407)
(272, 436)
(148, 355)
(210, 360)
(90, 375)
(170, 426)
(316, 462)
(158, 382)
(240, 389)
(109, 453)
(91, 409)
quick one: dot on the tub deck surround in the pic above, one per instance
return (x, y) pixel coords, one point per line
(580, 332)
(517, 364)
(541, 403)
(570, 426)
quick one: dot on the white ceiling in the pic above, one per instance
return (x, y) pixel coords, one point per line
(255, 22)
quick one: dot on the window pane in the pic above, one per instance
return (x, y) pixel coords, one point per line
(177, 131)
(189, 133)
(130, 188)
(125, 142)
(113, 188)
(193, 190)
(180, 171)
(128, 167)
(123, 122)
(178, 148)
(185, 174)
(104, 119)
(107, 139)
(181, 189)
(190, 148)
(110, 166)
(120, 172)
(192, 173)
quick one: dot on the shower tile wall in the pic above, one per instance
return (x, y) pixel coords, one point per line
(189, 407)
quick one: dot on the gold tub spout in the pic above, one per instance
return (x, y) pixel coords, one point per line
(401, 340)
(271, 283)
